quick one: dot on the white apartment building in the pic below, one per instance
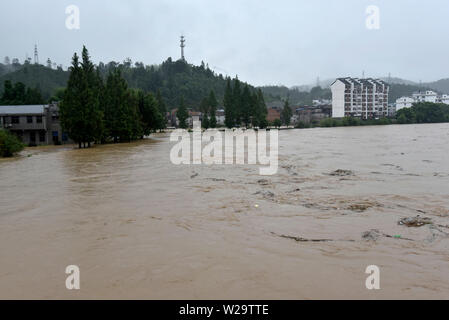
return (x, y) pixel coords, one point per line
(361, 98)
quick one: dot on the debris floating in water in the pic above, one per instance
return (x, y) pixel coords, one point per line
(374, 235)
(341, 173)
(415, 222)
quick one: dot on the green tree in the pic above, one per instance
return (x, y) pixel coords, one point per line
(237, 102)
(9, 144)
(162, 108)
(204, 108)
(213, 103)
(246, 103)
(286, 114)
(277, 123)
(8, 93)
(152, 118)
(93, 113)
(71, 108)
(406, 115)
(122, 117)
(81, 114)
(229, 105)
(182, 114)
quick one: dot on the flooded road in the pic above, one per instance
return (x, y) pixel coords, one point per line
(141, 227)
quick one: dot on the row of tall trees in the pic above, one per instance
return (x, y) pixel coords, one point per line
(243, 106)
(19, 94)
(96, 111)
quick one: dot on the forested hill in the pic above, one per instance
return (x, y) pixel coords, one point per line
(173, 78)
(47, 80)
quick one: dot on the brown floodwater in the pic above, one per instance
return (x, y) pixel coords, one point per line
(141, 227)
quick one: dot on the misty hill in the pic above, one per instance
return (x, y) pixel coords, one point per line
(442, 86)
(296, 96)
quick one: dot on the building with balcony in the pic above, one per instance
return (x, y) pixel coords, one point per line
(404, 102)
(444, 98)
(33, 124)
(424, 96)
(361, 98)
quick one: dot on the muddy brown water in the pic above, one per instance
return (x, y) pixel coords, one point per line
(140, 227)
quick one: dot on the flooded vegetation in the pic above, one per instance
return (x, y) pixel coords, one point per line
(140, 227)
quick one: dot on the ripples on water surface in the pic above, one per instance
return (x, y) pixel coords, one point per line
(140, 227)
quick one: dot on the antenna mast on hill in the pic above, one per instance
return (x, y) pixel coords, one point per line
(183, 45)
(36, 55)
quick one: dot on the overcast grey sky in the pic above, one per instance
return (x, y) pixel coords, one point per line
(263, 42)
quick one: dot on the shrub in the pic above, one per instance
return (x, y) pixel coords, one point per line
(9, 144)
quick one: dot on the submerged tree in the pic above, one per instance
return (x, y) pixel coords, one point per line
(81, 115)
(182, 114)
(213, 103)
(229, 105)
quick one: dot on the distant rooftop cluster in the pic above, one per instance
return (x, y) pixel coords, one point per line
(421, 96)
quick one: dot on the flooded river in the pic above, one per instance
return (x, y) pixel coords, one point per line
(140, 227)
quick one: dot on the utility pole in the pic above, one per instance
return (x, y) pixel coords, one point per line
(183, 45)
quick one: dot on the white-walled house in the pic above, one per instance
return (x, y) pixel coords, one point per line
(404, 102)
(444, 99)
(362, 98)
(426, 96)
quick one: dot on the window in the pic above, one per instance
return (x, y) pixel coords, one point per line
(15, 120)
(29, 119)
(39, 119)
(41, 136)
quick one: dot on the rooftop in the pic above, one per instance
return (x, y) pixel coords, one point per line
(365, 82)
(34, 109)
